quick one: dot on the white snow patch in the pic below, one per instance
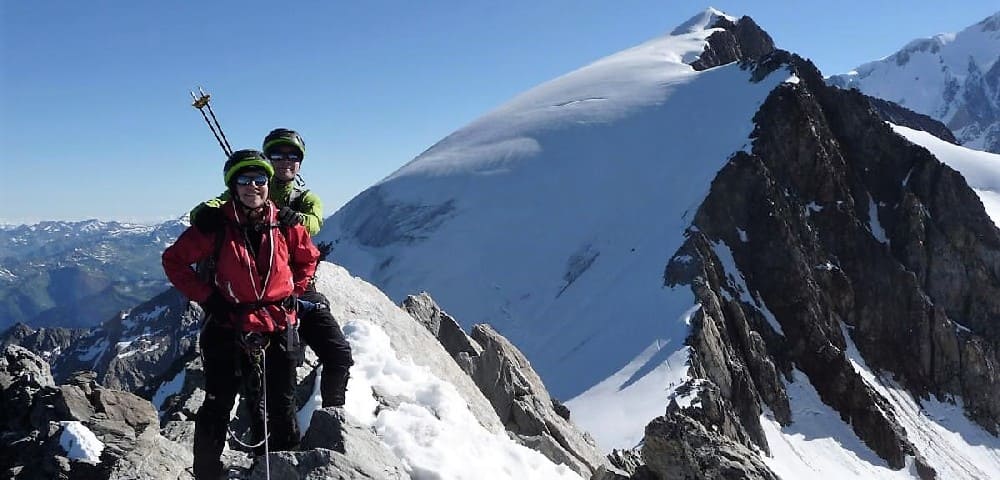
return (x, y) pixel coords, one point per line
(743, 234)
(167, 389)
(80, 443)
(980, 169)
(813, 207)
(616, 410)
(684, 258)
(874, 225)
(818, 444)
(432, 431)
(794, 79)
(954, 445)
(93, 353)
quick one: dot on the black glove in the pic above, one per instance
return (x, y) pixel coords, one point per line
(207, 219)
(216, 306)
(289, 217)
(324, 249)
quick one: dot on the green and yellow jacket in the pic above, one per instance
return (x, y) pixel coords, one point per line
(282, 194)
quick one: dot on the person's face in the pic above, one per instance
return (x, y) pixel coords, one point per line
(286, 161)
(251, 188)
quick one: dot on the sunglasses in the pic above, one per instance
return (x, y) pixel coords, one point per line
(291, 157)
(257, 180)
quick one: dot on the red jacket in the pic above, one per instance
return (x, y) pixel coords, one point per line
(286, 257)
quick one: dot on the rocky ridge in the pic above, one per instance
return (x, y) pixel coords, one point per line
(337, 443)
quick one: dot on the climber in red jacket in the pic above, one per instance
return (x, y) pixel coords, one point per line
(257, 267)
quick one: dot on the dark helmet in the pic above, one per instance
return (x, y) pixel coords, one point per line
(245, 160)
(284, 136)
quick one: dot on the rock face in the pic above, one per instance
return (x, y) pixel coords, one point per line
(514, 389)
(739, 41)
(842, 232)
(336, 448)
(677, 446)
(899, 115)
(35, 433)
(49, 343)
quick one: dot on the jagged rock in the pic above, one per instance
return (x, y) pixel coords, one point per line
(124, 423)
(514, 389)
(743, 40)
(445, 328)
(322, 463)
(624, 465)
(180, 431)
(899, 115)
(153, 457)
(524, 405)
(48, 343)
(676, 446)
(22, 375)
(334, 447)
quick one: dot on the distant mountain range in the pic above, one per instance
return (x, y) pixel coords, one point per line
(952, 77)
(78, 274)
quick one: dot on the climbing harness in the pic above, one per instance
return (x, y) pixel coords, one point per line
(202, 103)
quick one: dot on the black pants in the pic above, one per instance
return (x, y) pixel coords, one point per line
(320, 331)
(227, 368)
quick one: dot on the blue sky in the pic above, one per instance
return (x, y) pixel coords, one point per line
(97, 123)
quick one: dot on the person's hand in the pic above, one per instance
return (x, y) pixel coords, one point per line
(216, 306)
(289, 217)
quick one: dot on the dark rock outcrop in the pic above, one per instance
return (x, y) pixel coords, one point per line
(899, 115)
(48, 343)
(741, 41)
(334, 447)
(676, 446)
(34, 435)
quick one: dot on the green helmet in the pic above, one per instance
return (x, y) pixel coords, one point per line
(244, 160)
(284, 136)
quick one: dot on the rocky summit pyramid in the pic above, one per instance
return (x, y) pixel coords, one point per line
(728, 268)
(953, 77)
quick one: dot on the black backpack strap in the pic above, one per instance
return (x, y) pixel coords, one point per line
(207, 267)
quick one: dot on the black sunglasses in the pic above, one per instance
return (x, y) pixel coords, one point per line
(277, 156)
(257, 180)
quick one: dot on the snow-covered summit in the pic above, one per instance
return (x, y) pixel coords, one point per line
(952, 77)
(702, 21)
(552, 216)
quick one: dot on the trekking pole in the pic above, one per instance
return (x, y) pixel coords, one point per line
(201, 102)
